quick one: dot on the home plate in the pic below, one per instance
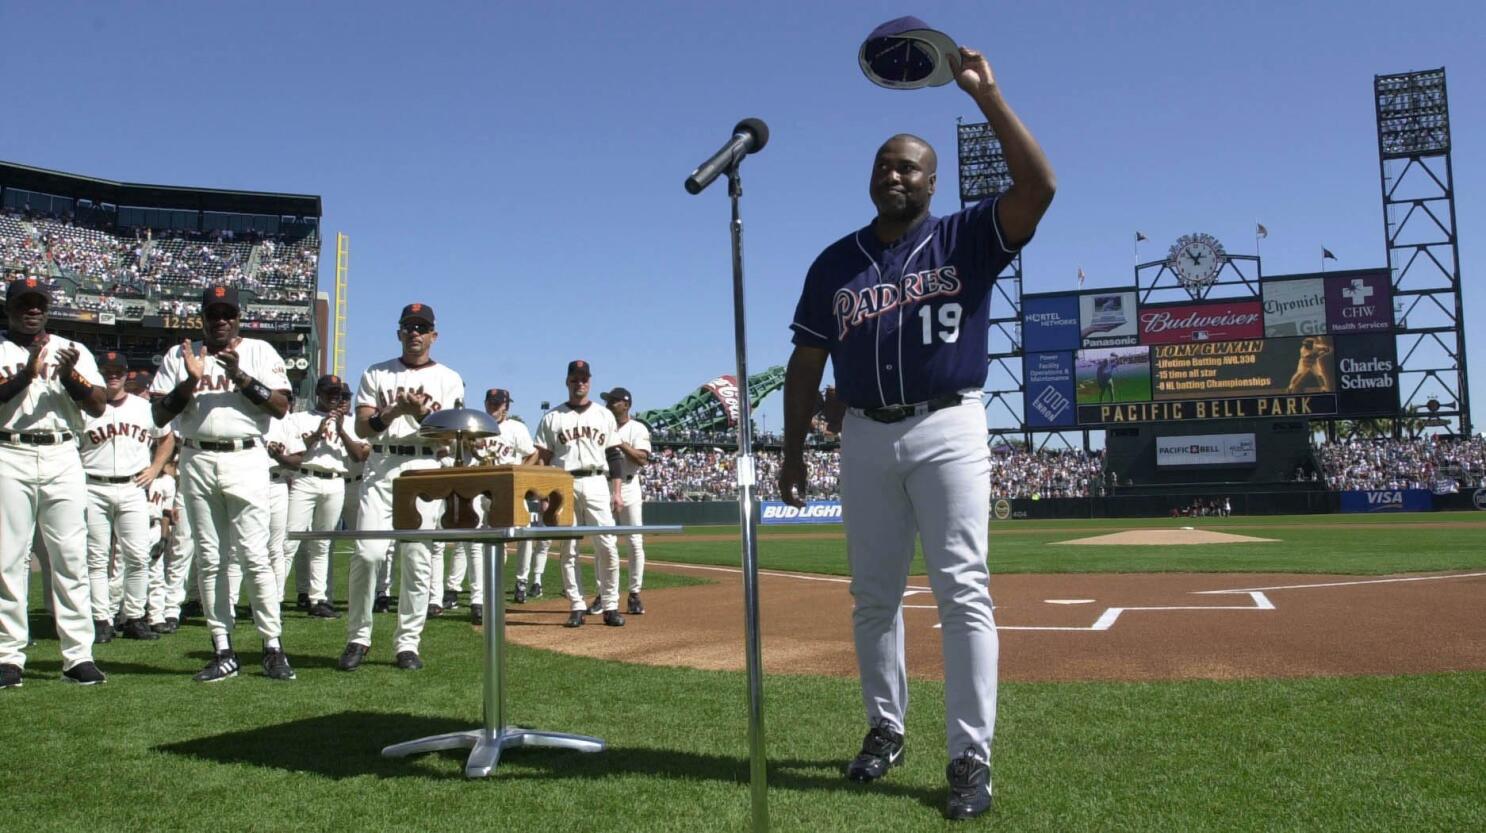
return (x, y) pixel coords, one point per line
(1167, 537)
(1068, 601)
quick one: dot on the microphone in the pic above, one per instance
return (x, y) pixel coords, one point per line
(749, 136)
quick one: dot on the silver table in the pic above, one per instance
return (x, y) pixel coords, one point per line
(494, 735)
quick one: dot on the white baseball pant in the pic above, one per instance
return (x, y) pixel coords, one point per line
(375, 514)
(42, 486)
(278, 528)
(173, 572)
(925, 477)
(122, 511)
(632, 514)
(315, 504)
(592, 502)
(524, 560)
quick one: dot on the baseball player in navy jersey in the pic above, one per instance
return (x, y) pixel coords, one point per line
(900, 309)
(392, 401)
(581, 438)
(634, 444)
(315, 498)
(117, 461)
(225, 393)
(47, 384)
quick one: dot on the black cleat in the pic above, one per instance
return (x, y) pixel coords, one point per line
(84, 673)
(138, 629)
(383, 604)
(613, 618)
(352, 657)
(302, 602)
(519, 597)
(969, 787)
(222, 666)
(409, 661)
(276, 665)
(536, 590)
(435, 611)
(191, 608)
(323, 610)
(882, 749)
(598, 605)
(575, 619)
(477, 614)
(103, 631)
(451, 599)
(636, 607)
(10, 676)
(170, 625)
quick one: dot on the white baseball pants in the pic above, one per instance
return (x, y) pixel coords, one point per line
(632, 514)
(314, 504)
(524, 558)
(376, 513)
(122, 511)
(278, 528)
(42, 486)
(925, 477)
(172, 574)
(592, 507)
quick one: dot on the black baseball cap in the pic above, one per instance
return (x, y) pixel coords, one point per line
(112, 358)
(496, 397)
(18, 288)
(617, 395)
(417, 312)
(329, 381)
(220, 294)
(578, 367)
(905, 54)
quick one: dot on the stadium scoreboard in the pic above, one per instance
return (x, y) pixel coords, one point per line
(1319, 345)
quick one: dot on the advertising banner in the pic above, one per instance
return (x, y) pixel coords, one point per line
(1206, 450)
(1213, 321)
(1359, 303)
(1188, 410)
(1367, 374)
(1050, 323)
(1114, 374)
(1243, 368)
(725, 388)
(1107, 319)
(1295, 308)
(1048, 378)
(774, 512)
(1388, 500)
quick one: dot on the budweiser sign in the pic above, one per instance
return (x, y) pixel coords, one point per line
(1221, 321)
(725, 388)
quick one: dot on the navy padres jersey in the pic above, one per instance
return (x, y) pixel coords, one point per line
(906, 322)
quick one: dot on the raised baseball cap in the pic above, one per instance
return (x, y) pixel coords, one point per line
(220, 294)
(905, 54)
(578, 367)
(417, 312)
(329, 381)
(112, 358)
(496, 397)
(617, 395)
(18, 288)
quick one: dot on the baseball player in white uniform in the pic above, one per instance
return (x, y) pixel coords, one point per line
(47, 383)
(316, 498)
(512, 445)
(225, 394)
(634, 444)
(391, 402)
(116, 457)
(161, 499)
(285, 451)
(581, 438)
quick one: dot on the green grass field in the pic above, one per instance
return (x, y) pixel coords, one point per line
(153, 751)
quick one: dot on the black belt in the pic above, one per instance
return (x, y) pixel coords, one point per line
(404, 450)
(587, 472)
(48, 438)
(275, 475)
(324, 475)
(898, 413)
(220, 445)
(96, 478)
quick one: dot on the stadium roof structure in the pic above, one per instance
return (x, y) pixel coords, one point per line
(156, 196)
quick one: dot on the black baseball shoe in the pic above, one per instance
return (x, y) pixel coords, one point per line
(575, 619)
(477, 614)
(969, 787)
(636, 607)
(222, 666)
(10, 676)
(598, 605)
(276, 665)
(170, 625)
(882, 749)
(451, 599)
(103, 631)
(613, 618)
(119, 620)
(409, 661)
(302, 601)
(435, 611)
(383, 604)
(536, 590)
(138, 629)
(84, 673)
(519, 597)
(352, 657)
(191, 608)
(323, 610)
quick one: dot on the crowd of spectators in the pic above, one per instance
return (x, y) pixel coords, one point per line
(1018, 473)
(1441, 464)
(678, 473)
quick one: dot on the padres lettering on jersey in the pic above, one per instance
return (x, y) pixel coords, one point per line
(380, 385)
(577, 439)
(45, 405)
(218, 411)
(118, 443)
(906, 322)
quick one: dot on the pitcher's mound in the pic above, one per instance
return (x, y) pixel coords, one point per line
(1166, 537)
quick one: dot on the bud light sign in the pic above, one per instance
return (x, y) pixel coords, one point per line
(774, 512)
(1388, 500)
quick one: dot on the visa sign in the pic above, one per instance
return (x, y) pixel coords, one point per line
(774, 512)
(1388, 500)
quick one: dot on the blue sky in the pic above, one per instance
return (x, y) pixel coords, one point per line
(519, 166)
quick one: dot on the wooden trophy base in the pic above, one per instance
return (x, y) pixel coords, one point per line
(507, 487)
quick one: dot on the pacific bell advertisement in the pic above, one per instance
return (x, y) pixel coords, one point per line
(1213, 321)
(1253, 367)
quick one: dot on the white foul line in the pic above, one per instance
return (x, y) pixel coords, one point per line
(1340, 583)
(1110, 615)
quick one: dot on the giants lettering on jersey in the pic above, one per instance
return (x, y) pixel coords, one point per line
(853, 307)
(48, 372)
(582, 432)
(101, 435)
(385, 398)
(213, 384)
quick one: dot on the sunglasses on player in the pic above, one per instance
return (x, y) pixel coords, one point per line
(417, 328)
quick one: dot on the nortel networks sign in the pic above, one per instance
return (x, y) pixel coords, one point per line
(815, 512)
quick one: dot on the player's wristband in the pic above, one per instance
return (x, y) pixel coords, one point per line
(178, 398)
(256, 392)
(376, 423)
(76, 386)
(615, 458)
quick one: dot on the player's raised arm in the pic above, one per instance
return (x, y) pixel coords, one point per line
(1033, 181)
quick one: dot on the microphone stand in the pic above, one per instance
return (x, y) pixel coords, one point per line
(758, 762)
